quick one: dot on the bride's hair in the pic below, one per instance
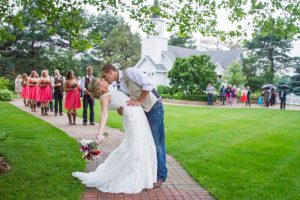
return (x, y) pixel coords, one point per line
(94, 88)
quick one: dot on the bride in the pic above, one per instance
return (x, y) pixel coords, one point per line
(132, 166)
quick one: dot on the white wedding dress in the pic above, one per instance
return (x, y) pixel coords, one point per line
(132, 166)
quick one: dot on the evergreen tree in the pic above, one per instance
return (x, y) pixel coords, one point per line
(295, 81)
(182, 41)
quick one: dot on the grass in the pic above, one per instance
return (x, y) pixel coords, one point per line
(236, 154)
(41, 156)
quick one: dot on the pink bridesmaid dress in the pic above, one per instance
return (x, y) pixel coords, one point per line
(44, 92)
(72, 98)
(32, 89)
(24, 91)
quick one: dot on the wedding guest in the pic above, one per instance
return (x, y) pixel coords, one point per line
(273, 97)
(282, 96)
(58, 85)
(228, 94)
(18, 85)
(45, 94)
(233, 95)
(210, 91)
(87, 100)
(260, 101)
(32, 89)
(248, 96)
(223, 94)
(244, 95)
(72, 102)
(24, 89)
(267, 97)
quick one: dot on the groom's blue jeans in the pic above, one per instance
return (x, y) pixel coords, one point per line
(156, 120)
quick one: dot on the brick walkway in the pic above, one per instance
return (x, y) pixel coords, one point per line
(179, 185)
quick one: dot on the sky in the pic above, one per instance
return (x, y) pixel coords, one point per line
(223, 23)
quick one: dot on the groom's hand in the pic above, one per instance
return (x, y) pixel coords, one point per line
(132, 102)
(120, 110)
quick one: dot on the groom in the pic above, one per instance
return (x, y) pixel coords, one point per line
(141, 91)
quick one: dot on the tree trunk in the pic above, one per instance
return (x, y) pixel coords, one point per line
(272, 65)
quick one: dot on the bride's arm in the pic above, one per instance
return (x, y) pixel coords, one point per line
(104, 115)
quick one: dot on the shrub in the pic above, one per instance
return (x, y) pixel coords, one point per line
(4, 83)
(166, 96)
(198, 97)
(178, 95)
(5, 95)
(161, 89)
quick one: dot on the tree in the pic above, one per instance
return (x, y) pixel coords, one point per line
(182, 41)
(254, 79)
(104, 23)
(269, 53)
(234, 74)
(192, 75)
(122, 47)
(35, 47)
(187, 16)
(295, 81)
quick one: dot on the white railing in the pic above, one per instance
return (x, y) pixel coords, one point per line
(292, 99)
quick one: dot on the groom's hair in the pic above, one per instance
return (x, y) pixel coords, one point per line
(107, 68)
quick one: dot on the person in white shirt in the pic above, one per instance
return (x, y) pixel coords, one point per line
(210, 91)
(87, 100)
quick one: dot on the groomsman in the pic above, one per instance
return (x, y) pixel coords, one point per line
(141, 90)
(87, 100)
(58, 84)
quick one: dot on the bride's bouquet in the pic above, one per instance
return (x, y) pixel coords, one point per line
(89, 149)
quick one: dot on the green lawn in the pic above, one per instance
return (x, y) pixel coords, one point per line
(41, 156)
(235, 153)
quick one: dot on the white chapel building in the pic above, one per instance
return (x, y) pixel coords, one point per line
(157, 57)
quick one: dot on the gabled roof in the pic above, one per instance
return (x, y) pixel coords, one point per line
(224, 58)
(160, 67)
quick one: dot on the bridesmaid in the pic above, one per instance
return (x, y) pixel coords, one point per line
(45, 94)
(24, 89)
(32, 89)
(72, 101)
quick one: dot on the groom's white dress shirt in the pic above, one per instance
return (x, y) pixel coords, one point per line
(136, 76)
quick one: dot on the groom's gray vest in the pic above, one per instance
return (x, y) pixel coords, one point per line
(135, 91)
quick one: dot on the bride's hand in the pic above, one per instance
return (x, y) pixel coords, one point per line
(100, 138)
(133, 102)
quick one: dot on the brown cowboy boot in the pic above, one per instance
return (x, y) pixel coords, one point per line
(74, 118)
(46, 111)
(31, 106)
(42, 110)
(69, 117)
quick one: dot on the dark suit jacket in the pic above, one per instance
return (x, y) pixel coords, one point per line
(283, 98)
